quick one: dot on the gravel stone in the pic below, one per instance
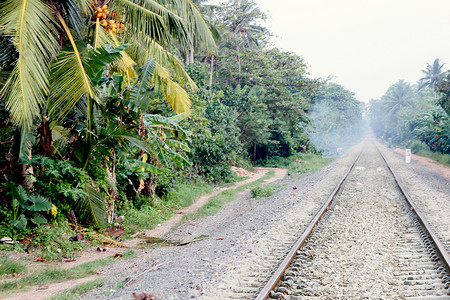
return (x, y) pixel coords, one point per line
(247, 234)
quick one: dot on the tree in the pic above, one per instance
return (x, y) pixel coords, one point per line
(337, 118)
(433, 75)
(72, 63)
(40, 29)
(397, 96)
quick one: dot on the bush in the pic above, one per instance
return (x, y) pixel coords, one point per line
(417, 146)
(261, 191)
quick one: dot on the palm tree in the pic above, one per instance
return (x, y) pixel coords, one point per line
(433, 75)
(61, 51)
(42, 29)
(397, 96)
(241, 29)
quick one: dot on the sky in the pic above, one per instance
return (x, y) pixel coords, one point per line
(367, 45)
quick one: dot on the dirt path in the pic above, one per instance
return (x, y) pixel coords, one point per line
(43, 292)
(443, 169)
(165, 228)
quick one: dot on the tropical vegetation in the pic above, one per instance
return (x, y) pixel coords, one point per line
(107, 107)
(415, 115)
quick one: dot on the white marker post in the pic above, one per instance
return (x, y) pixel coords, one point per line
(408, 156)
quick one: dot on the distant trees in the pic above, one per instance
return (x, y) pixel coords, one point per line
(407, 114)
(337, 118)
(434, 73)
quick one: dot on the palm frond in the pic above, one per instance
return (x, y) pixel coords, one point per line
(69, 79)
(97, 60)
(150, 18)
(139, 93)
(69, 83)
(31, 25)
(71, 11)
(197, 27)
(60, 135)
(8, 54)
(27, 139)
(93, 205)
(126, 64)
(176, 96)
(4, 75)
(143, 49)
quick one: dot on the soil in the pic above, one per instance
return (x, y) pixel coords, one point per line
(443, 169)
(43, 292)
(246, 231)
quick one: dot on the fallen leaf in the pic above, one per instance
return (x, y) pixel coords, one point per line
(131, 267)
(144, 296)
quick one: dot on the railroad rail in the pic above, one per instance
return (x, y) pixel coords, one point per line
(435, 249)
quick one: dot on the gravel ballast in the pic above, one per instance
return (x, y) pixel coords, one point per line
(245, 234)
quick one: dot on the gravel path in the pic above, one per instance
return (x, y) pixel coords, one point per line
(243, 235)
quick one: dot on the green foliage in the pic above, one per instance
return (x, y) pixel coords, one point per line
(8, 266)
(79, 290)
(417, 147)
(261, 191)
(24, 208)
(434, 130)
(51, 242)
(69, 187)
(405, 114)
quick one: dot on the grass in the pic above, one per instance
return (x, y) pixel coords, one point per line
(11, 267)
(262, 191)
(54, 274)
(299, 163)
(438, 157)
(159, 210)
(215, 203)
(78, 290)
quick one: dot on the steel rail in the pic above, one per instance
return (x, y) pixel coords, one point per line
(274, 280)
(441, 251)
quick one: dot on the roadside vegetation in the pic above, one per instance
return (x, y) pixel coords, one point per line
(416, 116)
(115, 114)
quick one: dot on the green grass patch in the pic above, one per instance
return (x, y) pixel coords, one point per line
(261, 191)
(8, 266)
(216, 202)
(438, 157)
(298, 163)
(158, 210)
(55, 274)
(78, 290)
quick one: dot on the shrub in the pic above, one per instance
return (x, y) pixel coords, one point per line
(261, 191)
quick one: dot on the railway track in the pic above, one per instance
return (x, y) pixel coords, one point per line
(368, 241)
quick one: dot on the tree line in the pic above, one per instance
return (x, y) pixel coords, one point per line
(413, 115)
(112, 103)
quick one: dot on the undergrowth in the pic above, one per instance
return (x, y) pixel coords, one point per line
(298, 163)
(261, 191)
(55, 274)
(78, 290)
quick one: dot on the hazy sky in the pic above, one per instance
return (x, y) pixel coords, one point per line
(366, 44)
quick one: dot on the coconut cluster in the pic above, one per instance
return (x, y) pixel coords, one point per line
(107, 19)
